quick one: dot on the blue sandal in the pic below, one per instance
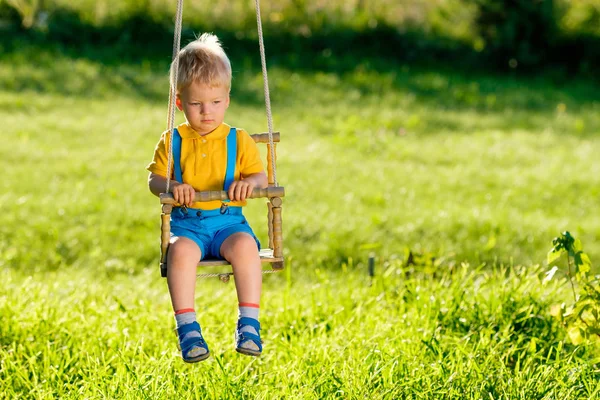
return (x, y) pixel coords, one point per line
(242, 339)
(191, 346)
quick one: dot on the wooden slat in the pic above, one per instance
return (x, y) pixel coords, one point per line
(266, 256)
(277, 227)
(270, 222)
(264, 137)
(271, 163)
(211, 195)
(165, 235)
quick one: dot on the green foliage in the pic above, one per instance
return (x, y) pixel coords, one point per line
(521, 30)
(582, 18)
(581, 319)
(27, 10)
(494, 33)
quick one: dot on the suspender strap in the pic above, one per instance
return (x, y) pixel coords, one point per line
(177, 155)
(231, 159)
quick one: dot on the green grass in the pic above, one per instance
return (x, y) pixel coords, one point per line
(471, 334)
(479, 171)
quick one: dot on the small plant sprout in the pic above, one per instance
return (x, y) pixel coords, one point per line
(581, 319)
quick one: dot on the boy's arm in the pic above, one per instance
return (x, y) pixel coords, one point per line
(157, 183)
(240, 190)
(182, 192)
(259, 180)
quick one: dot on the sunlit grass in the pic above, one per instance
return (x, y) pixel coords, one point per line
(400, 335)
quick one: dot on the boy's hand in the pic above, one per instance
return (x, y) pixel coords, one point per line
(184, 194)
(240, 190)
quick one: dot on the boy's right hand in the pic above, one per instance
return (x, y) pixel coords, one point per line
(184, 194)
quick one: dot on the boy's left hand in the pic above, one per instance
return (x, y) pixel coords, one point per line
(240, 190)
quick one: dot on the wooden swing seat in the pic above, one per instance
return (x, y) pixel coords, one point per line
(266, 256)
(273, 254)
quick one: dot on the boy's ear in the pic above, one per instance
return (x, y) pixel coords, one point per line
(178, 103)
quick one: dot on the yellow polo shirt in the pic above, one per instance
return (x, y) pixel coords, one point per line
(204, 160)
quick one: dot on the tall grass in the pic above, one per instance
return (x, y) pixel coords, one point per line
(407, 334)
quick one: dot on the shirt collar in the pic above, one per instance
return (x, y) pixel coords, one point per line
(220, 132)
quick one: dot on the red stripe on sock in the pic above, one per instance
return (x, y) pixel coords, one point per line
(184, 310)
(249, 305)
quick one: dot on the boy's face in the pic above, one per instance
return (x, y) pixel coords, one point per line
(204, 106)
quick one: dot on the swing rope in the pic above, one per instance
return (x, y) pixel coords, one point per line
(225, 276)
(263, 63)
(173, 90)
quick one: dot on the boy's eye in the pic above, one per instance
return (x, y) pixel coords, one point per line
(216, 101)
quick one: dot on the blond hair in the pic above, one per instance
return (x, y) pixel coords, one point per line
(204, 61)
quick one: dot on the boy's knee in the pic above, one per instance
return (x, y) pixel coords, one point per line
(240, 242)
(182, 249)
(246, 240)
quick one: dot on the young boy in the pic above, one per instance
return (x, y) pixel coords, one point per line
(214, 156)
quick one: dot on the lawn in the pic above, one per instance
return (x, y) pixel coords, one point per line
(475, 173)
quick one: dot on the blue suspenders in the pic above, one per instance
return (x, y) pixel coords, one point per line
(177, 156)
(231, 158)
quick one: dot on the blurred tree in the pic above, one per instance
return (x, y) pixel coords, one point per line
(28, 10)
(527, 33)
(582, 17)
(517, 31)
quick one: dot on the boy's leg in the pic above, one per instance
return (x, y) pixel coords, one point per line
(182, 261)
(241, 251)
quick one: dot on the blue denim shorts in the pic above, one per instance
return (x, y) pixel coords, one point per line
(209, 228)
